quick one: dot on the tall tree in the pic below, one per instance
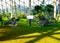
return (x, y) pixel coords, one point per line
(55, 9)
(43, 1)
(29, 7)
(11, 5)
(58, 6)
(2, 5)
(6, 6)
(19, 5)
(15, 6)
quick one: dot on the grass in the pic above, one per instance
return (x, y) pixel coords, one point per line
(30, 34)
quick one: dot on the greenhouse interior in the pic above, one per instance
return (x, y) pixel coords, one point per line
(29, 21)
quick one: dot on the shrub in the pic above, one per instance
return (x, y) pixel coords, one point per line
(22, 16)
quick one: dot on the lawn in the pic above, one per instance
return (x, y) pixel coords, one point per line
(24, 33)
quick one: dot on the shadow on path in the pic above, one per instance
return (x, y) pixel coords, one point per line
(13, 33)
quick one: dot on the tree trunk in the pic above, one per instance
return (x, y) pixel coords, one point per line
(6, 6)
(15, 6)
(58, 6)
(29, 7)
(11, 2)
(19, 6)
(55, 9)
(2, 5)
(43, 2)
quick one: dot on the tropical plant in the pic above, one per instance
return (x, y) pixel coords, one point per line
(39, 9)
(49, 9)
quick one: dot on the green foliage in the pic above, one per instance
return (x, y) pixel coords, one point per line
(22, 16)
(34, 12)
(8, 14)
(3, 11)
(37, 8)
(0, 15)
(46, 11)
(5, 18)
(17, 12)
(49, 9)
(58, 17)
